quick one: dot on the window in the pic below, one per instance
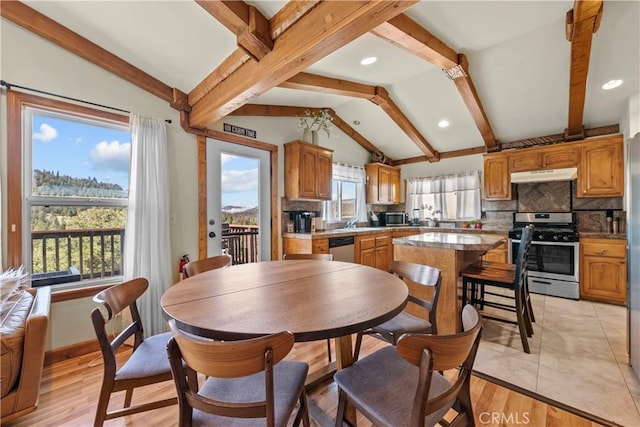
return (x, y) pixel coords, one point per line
(348, 199)
(453, 197)
(75, 182)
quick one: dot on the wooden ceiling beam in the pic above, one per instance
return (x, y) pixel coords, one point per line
(474, 105)
(35, 22)
(322, 30)
(404, 32)
(288, 111)
(377, 95)
(317, 83)
(384, 101)
(279, 23)
(354, 134)
(246, 22)
(443, 155)
(581, 22)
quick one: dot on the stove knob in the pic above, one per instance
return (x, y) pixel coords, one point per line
(565, 238)
(556, 237)
(540, 236)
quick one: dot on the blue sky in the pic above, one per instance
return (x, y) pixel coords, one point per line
(82, 150)
(239, 181)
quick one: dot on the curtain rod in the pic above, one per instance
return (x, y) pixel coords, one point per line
(10, 85)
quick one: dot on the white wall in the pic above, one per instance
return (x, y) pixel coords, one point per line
(443, 167)
(30, 61)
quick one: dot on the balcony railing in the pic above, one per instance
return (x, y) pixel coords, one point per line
(241, 242)
(98, 253)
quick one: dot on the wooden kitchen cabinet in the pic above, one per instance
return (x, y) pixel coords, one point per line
(603, 270)
(308, 171)
(601, 171)
(383, 184)
(565, 156)
(292, 245)
(499, 254)
(374, 250)
(497, 179)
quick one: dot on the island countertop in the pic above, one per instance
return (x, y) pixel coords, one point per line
(457, 241)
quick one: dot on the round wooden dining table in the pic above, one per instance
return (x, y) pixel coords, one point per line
(315, 300)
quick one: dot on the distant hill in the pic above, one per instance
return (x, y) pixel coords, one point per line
(49, 183)
(239, 215)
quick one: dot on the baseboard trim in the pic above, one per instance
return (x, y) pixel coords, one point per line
(68, 352)
(579, 412)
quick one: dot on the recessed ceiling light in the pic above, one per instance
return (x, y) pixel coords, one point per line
(356, 122)
(443, 123)
(611, 84)
(369, 60)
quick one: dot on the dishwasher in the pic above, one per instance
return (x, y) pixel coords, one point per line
(342, 248)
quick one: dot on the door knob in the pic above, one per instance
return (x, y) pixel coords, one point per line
(212, 234)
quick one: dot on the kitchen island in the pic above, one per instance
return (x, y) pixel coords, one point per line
(451, 253)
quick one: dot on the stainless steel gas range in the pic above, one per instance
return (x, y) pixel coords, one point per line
(553, 266)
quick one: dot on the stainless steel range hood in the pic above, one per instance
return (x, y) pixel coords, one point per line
(566, 174)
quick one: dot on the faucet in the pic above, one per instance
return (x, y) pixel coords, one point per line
(351, 223)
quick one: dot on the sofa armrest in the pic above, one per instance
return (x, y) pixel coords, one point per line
(35, 338)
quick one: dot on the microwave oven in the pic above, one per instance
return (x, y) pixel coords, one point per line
(396, 218)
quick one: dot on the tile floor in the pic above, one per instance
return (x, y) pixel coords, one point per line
(578, 357)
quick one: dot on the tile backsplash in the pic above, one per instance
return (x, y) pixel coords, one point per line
(557, 196)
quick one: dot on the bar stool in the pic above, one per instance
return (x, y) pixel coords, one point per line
(478, 276)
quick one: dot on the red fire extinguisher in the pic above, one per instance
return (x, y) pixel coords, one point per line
(183, 261)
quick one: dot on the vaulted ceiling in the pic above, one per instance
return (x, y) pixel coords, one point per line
(503, 74)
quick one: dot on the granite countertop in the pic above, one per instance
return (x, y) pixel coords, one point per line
(601, 235)
(457, 241)
(340, 232)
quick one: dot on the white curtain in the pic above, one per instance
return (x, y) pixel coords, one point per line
(357, 175)
(429, 195)
(468, 195)
(147, 243)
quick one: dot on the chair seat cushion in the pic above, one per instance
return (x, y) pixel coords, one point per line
(149, 359)
(382, 386)
(288, 382)
(401, 324)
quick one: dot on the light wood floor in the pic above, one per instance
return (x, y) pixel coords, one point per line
(70, 389)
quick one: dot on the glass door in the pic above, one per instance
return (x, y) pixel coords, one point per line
(238, 202)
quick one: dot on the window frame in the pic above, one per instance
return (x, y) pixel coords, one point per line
(18, 161)
(339, 217)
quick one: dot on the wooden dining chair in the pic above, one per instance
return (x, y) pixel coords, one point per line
(201, 265)
(477, 278)
(318, 257)
(148, 364)
(429, 279)
(391, 392)
(245, 379)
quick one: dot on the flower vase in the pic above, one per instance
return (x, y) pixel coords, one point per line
(306, 135)
(314, 137)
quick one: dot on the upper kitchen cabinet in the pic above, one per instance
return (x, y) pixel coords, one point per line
(383, 184)
(601, 172)
(308, 171)
(497, 182)
(565, 156)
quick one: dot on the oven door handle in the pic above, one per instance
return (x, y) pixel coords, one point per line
(549, 243)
